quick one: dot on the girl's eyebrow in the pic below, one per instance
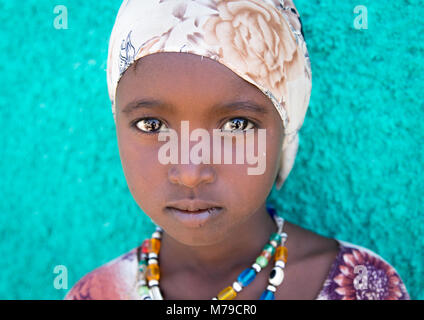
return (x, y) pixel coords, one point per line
(245, 105)
(144, 103)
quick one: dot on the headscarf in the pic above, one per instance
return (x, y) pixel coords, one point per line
(261, 41)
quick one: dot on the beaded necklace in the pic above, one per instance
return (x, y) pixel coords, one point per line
(149, 272)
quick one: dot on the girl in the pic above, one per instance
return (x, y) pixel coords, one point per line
(239, 66)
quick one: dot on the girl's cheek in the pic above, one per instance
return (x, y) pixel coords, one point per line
(142, 160)
(139, 158)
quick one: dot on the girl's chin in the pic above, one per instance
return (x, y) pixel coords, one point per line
(210, 234)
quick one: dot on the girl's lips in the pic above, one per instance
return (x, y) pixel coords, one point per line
(194, 219)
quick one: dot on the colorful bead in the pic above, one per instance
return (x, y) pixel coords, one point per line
(276, 276)
(152, 272)
(275, 237)
(227, 294)
(154, 245)
(267, 295)
(142, 267)
(145, 246)
(247, 276)
(262, 261)
(266, 254)
(149, 267)
(143, 291)
(269, 248)
(281, 254)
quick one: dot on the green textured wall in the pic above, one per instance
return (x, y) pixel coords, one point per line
(64, 199)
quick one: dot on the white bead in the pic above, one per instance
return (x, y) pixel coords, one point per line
(237, 287)
(152, 261)
(276, 277)
(156, 235)
(214, 298)
(155, 293)
(153, 255)
(271, 288)
(280, 264)
(257, 267)
(141, 282)
(273, 243)
(153, 283)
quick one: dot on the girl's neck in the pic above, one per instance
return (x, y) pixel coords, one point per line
(238, 250)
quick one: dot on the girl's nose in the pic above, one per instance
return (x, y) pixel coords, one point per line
(191, 175)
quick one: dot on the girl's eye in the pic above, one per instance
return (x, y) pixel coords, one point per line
(238, 124)
(149, 125)
(153, 125)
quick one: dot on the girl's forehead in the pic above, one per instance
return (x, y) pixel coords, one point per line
(182, 78)
(172, 67)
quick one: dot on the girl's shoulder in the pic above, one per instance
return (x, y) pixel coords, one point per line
(115, 280)
(358, 273)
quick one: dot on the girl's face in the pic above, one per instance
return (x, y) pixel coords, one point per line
(189, 88)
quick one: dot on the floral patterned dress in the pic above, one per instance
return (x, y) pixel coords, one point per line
(357, 273)
(360, 274)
